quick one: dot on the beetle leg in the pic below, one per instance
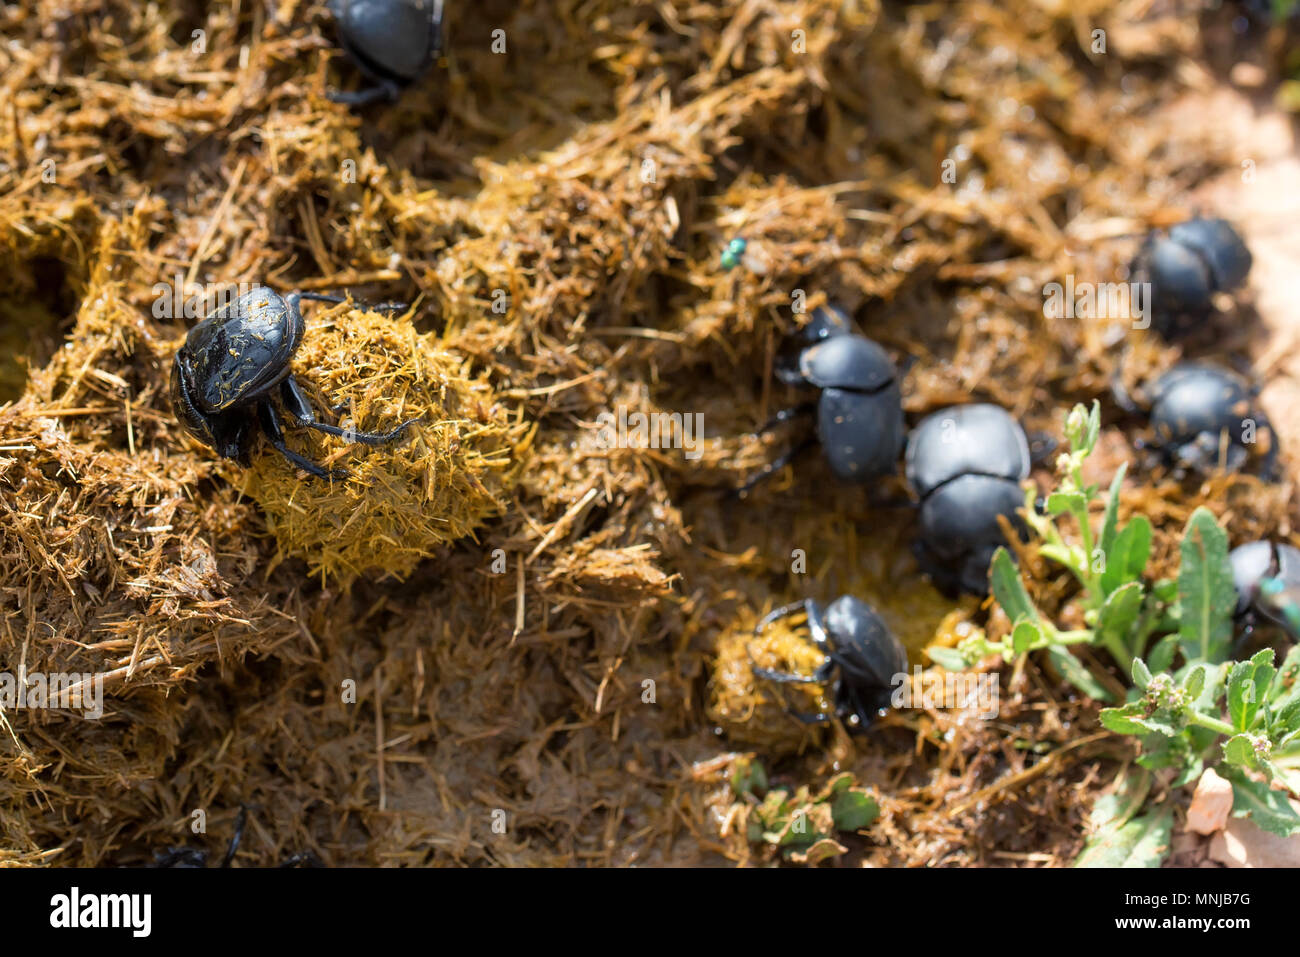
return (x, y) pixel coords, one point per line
(238, 836)
(294, 298)
(364, 97)
(301, 859)
(786, 677)
(805, 717)
(785, 415)
(270, 421)
(773, 466)
(781, 612)
(301, 410)
(823, 672)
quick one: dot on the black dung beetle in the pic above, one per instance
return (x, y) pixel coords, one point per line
(966, 463)
(190, 858)
(1196, 409)
(391, 41)
(860, 411)
(1267, 576)
(855, 640)
(235, 361)
(1187, 267)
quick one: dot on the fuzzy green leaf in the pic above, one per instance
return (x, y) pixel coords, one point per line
(1061, 503)
(1118, 615)
(1286, 683)
(1127, 557)
(1286, 722)
(1110, 520)
(1240, 750)
(1206, 594)
(1256, 800)
(949, 659)
(854, 809)
(1118, 807)
(1026, 636)
(1142, 842)
(1008, 590)
(1162, 654)
(1123, 720)
(1073, 671)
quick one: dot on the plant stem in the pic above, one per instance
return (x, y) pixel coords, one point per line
(1213, 724)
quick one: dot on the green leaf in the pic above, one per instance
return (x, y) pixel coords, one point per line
(1248, 683)
(1008, 590)
(854, 809)
(1026, 636)
(1194, 682)
(1094, 426)
(1162, 655)
(1118, 615)
(1116, 808)
(1242, 700)
(1071, 557)
(1110, 520)
(948, 658)
(1240, 750)
(1142, 842)
(1060, 503)
(1286, 721)
(1127, 557)
(1286, 683)
(1123, 720)
(1206, 594)
(1268, 808)
(1161, 751)
(748, 777)
(1141, 675)
(1073, 671)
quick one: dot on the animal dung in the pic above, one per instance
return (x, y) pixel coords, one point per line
(399, 501)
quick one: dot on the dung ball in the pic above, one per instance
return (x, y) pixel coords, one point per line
(448, 473)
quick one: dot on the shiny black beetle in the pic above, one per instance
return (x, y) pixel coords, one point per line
(1200, 414)
(855, 641)
(391, 41)
(860, 410)
(1267, 577)
(1186, 268)
(967, 464)
(235, 361)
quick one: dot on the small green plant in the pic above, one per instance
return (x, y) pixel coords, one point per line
(1189, 705)
(801, 825)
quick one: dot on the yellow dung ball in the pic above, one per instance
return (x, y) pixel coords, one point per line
(449, 472)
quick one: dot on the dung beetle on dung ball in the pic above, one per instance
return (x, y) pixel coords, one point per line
(391, 41)
(967, 464)
(236, 361)
(1202, 415)
(1267, 579)
(860, 410)
(862, 659)
(1186, 267)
